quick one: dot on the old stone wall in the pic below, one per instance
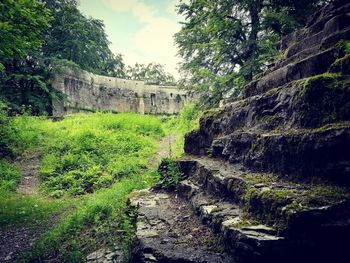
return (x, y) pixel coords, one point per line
(85, 91)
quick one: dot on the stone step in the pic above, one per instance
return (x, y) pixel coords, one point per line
(313, 65)
(317, 23)
(304, 153)
(303, 54)
(319, 153)
(252, 241)
(296, 105)
(168, 231)
(285, 205)
(245, 239)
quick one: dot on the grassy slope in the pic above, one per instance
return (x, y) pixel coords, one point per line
(90, 162)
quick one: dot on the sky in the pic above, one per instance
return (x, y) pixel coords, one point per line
(141, 30)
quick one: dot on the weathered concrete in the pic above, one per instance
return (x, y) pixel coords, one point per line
(85, 91)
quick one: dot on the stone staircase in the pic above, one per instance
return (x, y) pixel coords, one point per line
(266, 178)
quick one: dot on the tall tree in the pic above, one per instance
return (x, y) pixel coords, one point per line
(22, 23)
(38, 35)
(80, 39)
(223, 43)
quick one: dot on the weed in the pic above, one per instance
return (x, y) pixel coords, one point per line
(170, 174)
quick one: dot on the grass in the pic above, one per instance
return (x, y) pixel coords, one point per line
(102, 219)
(91, 163)
(9, 176)
(18, 209)
(180, 125)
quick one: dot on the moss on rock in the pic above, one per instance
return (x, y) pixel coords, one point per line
(324, 99)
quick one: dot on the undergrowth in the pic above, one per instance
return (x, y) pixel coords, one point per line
(90, 165)
(182, 124)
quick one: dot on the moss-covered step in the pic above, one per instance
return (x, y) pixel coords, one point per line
(302, 154)
(307, 52)
(287, 206)
(316, 23)
(313, 65)
(310, 103)
(168, 231)
(250, 240)
(245, 238)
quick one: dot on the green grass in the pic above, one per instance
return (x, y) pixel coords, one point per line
(180, 125)
(103, 218)
(18, 209)
(93, 151)
(91, 163)
(9, 176)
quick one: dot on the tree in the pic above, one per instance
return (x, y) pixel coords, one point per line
(34, 39)
(224, 43)
(81, 40)
(153, 73)
(22, 23)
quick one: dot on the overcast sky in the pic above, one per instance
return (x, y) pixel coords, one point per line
(141, 30)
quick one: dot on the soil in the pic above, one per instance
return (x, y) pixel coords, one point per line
(16, 239)
(29, 166)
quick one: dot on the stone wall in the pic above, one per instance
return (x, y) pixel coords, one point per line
(85, 91)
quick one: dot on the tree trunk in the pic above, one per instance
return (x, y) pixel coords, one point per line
(254, 10)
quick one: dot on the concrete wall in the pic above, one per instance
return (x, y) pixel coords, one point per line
(85, 91)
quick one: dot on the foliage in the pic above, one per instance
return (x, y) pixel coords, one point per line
(22, 81)
(106, 217)
(80, 39)
(116, 148)
(182, 124)
(25, 85)
(152, 73)
(17, 209)
(22, 23)
(25, 133)
(224, 43)
(4, 120)
(36, 35)
(86, 152)
(9, 176)
(170, 174)
(347, 47)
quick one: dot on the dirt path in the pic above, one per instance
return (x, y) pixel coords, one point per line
(166, 146)
(29, 166)
(19, 238)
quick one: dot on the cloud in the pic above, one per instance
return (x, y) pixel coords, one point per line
(143, 12)
(120, 5)
(154, 41)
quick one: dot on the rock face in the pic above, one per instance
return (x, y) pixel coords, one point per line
(270, 173)
(85, 91)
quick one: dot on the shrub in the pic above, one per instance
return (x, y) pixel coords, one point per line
(170, 174)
